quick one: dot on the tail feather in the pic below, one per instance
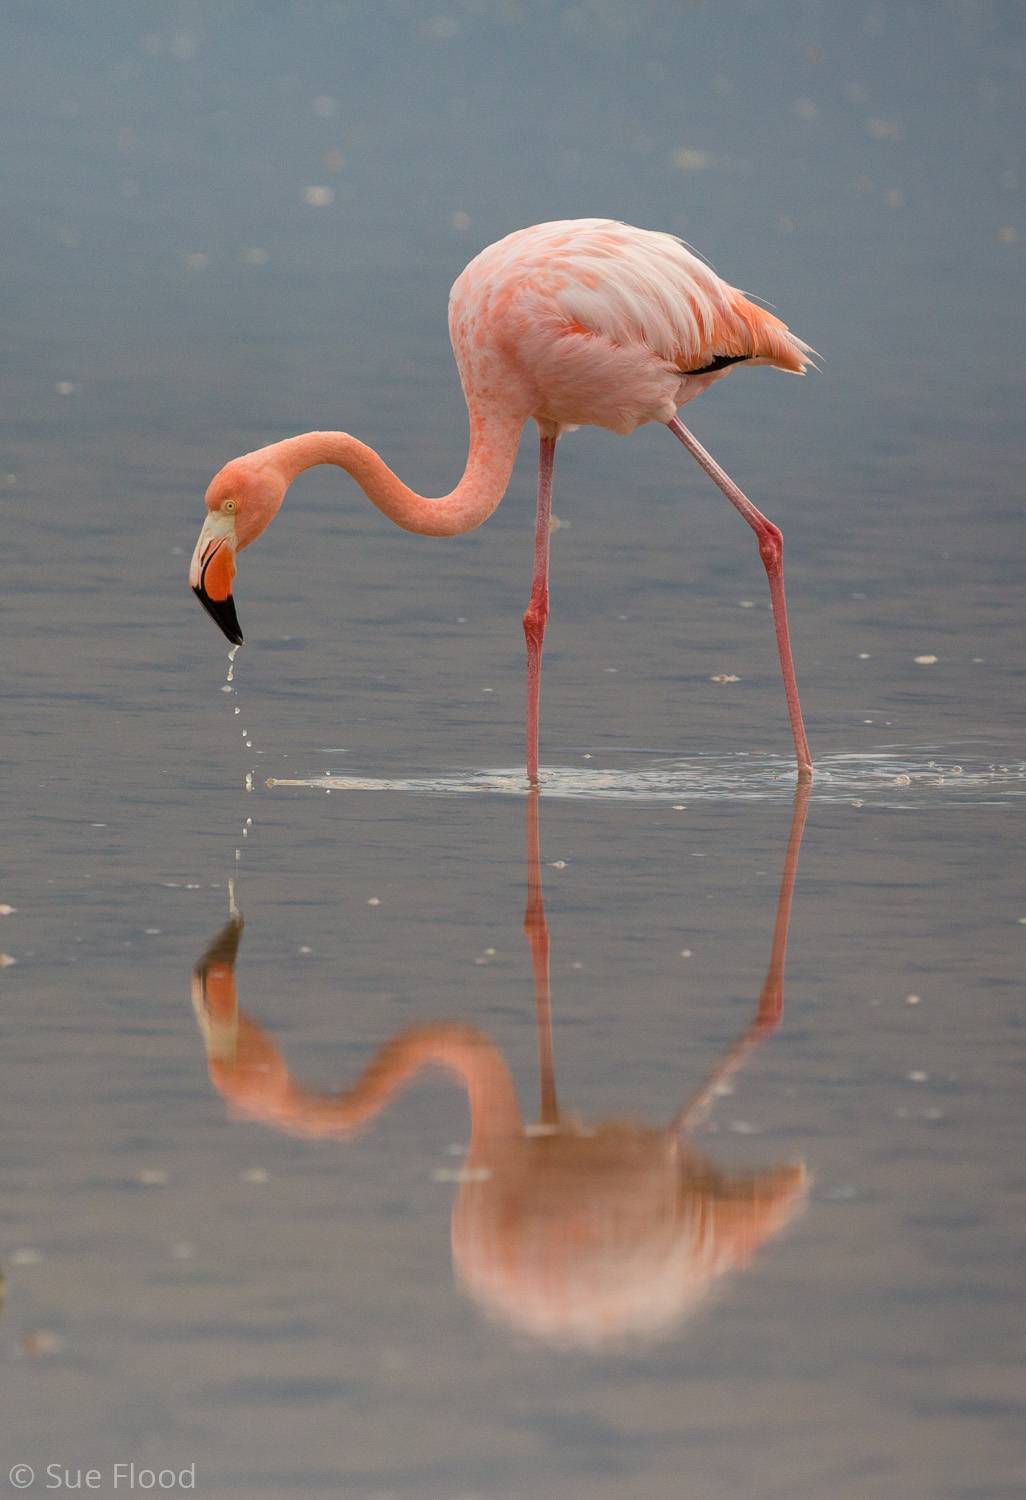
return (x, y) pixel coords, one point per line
(766, 340)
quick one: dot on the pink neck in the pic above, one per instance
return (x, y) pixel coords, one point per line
(464, 1050)
(493, 448)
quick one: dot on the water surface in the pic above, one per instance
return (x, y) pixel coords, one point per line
(183, 1285)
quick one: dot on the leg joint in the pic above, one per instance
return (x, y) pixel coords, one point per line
(536, 613)
(771, 544)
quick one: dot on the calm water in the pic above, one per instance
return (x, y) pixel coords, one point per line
(226, 222)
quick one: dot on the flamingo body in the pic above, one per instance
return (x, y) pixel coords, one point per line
(588, 322)
(581, 322)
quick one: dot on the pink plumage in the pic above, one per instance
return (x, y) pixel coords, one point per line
(582, 322)
(596, 323)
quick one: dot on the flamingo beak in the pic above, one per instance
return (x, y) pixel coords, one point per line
(212, 571)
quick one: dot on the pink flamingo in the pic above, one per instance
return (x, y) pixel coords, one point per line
(583, 322)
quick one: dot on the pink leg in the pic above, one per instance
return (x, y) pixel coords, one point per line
(538, 609)
(771, 550)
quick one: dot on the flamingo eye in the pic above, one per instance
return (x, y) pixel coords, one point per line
(229, 505)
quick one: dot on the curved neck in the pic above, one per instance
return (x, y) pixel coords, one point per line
(493, 448)
(464, 1050)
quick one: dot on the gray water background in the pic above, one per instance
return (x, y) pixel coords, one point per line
(182, 1287)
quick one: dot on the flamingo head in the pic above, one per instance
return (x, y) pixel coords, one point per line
(240, 501)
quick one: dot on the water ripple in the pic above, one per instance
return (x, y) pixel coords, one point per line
(898, 777)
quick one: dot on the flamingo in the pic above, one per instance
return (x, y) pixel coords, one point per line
(579, 1234)
(581, 322)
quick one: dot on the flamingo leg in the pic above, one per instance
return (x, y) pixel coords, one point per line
(538, 609)
(771, 550)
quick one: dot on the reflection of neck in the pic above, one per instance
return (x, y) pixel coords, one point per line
(248, 1069)
(466, 1051)
(493, 448)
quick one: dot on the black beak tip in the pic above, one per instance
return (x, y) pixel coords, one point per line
(222, 612)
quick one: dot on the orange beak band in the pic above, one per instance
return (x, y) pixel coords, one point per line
(213, 568)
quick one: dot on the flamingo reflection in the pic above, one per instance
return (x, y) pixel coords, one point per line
(576, 1234)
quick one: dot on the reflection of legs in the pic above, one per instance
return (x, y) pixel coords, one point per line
(771, 550)
(536, 931)
(538, 609)
(771, 997)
